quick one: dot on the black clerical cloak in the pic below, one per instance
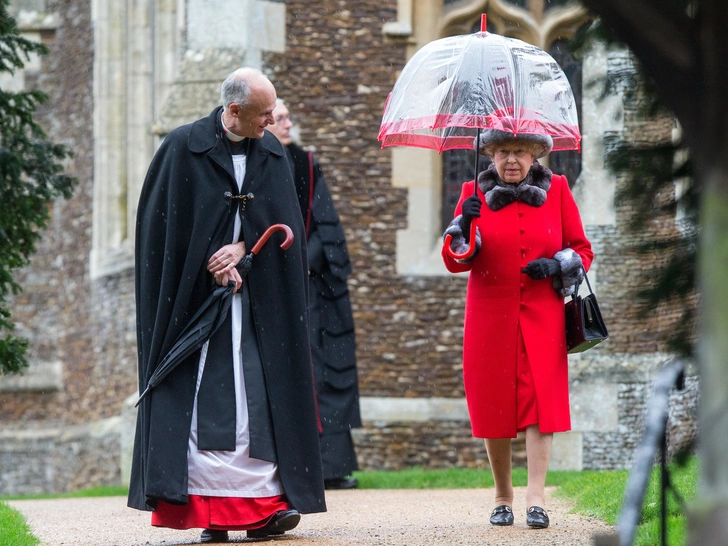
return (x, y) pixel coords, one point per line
(332, 328)
(183, 218)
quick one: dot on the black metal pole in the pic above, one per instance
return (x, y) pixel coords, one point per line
(644, 456)
(477, 162)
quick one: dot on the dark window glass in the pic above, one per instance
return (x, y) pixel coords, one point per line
(520, 3)
(567, 163)
(550, 4)
(458, 166)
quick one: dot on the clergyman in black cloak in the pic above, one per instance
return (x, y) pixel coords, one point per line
(243, 407)
(333, 344)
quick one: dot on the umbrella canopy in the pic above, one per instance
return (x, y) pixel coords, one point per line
(211, 314)
(454, 86)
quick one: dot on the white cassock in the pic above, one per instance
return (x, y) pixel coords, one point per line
(231, 473)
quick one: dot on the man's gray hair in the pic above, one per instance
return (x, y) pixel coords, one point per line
(235, 88)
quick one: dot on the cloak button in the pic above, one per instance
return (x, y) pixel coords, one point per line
(244, 198)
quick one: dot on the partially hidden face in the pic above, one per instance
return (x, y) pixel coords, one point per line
(282, 126)
(512, 160)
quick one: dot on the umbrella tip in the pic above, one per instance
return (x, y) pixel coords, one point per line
(142, 396)
(483, 22)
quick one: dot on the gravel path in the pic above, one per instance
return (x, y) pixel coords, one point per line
(359, 517)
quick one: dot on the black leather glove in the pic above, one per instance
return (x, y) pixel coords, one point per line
(542, 268)
(471, 209)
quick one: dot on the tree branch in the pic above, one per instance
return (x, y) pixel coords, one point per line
(664, 39)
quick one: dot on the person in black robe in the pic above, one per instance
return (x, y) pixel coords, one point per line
(246, 400)
(332, 324)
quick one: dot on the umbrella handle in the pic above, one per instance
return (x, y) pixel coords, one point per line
(268, 232)
(469, 252)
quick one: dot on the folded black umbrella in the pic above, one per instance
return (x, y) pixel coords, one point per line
(211, 314)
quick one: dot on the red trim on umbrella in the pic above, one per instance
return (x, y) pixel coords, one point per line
(454, 121)
(443, 144)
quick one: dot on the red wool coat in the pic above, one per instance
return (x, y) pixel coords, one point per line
(502, 302)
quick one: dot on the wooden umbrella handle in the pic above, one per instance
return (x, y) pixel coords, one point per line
(268, 232)
(471, 249)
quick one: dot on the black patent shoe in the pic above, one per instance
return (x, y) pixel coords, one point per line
(341, 483)
(282, 521)
(501, 515)
(213, 535)
(537, 518)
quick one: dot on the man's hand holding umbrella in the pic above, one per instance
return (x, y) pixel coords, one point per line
(222, 265)
(212, 312)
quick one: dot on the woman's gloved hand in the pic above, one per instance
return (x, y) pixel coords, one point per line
(542, 268)
(471, 209)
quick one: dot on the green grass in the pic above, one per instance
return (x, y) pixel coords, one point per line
(600, 494)
(14, 531)
(105, 491)
(451, 478)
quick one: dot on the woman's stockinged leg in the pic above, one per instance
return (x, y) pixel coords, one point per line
(499, 457)
(538, 452)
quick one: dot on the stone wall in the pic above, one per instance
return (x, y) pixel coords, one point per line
(60, 460)
(335, 77)
(55, 310)
(429, 444)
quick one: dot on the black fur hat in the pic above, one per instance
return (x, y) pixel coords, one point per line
(539, 145)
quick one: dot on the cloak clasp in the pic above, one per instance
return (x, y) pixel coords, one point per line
(243, 198)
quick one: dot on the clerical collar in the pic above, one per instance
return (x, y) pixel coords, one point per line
(228, 133)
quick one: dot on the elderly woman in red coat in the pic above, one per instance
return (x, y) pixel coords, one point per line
(530, 250)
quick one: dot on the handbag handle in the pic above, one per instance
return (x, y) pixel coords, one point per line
(578, 285)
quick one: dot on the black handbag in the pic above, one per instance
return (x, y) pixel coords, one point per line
(584, 323)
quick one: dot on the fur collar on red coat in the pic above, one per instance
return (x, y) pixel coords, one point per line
(531, 190)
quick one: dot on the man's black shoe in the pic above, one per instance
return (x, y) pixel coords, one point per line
(341, 483)
(501, 515)
(537, 518)
(282, 521)
(213, 535)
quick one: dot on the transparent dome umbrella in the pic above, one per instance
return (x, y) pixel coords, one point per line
(454, 87)
(210, 316)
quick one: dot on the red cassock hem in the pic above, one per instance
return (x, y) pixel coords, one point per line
(225, 513)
